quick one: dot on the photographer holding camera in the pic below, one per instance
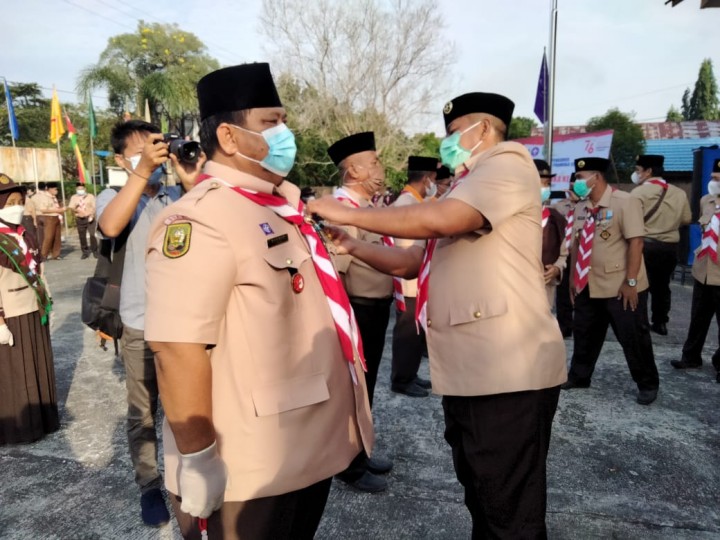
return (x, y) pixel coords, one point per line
(125, 216)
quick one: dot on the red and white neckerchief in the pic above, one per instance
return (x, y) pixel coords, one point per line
(658, 182)
(710, 238)
(18, 236)
(569, 219)
(582, 265)
(545, 216)
(342, 313)
(341, 194)
(424, 275)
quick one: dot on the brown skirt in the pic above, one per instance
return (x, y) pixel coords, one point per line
(28, 399)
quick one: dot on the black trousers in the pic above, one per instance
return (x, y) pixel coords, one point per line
(290, 516)
(705, 304)
(85, 227)
(372, 317)
(407, 345)
(499, 446)
(592, 317)
(563, 305)
(660, 262)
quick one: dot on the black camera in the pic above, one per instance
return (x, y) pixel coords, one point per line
(185, 151)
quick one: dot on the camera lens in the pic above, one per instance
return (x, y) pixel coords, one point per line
(186, 151)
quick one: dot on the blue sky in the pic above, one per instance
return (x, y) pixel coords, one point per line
(638, 55)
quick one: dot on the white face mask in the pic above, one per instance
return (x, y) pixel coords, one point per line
(635, 178)
(714, 188)
(134, 160)
(81, 192)
(432, 190)
(12, 214)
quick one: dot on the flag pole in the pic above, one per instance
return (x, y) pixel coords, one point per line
(551, 93)
(62, 188)
(92, 165)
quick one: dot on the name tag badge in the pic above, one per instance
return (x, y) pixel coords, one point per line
(277, 240)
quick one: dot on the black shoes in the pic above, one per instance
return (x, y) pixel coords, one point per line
(411, 389)
(85, 255)
(423, 383)
(684, 364)
(659, 328)
(378, 465)
(363, 481)
(153, 510)
(646, 397)
(575, 383)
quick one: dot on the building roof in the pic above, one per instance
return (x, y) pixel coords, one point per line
(678, 152)
(696, 129)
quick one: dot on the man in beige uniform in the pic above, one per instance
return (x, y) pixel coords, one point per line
(496, 353)
(609, 283)
(49, 213)
(408, 344)
(82, 205)
(263, 405)
(706, 283)
(665, 210)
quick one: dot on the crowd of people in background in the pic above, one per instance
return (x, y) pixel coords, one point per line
(290, 318)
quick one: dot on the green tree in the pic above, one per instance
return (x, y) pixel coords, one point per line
(32, 111)
(686, 104)
(704, 103)
(628, 141)
(520, 127)
(673, 115)
(159, 63)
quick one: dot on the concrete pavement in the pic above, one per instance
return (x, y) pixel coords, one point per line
(616, 469)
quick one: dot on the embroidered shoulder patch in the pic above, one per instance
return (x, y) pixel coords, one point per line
(177, 240)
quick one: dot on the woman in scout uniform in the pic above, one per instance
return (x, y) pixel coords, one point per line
(28, 408)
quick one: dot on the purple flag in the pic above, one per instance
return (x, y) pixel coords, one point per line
(541, 96)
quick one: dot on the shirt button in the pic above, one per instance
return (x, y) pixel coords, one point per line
(214, 184)
(288, 261)
(429, 323)
(477, 314)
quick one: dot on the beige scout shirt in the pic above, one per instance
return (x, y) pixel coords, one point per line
(705, 270)
(83, 205)
(43, 202)
(360, 279)
(674, 211)
(490, 328)
(285, 410)
(619, 219)
(16, 296)
(409, 286)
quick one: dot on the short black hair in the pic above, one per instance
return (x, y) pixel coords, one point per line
(208, 129)
(657, 170)
(416, 176)
(122, 130)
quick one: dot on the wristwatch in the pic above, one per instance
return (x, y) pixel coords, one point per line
(632, 282)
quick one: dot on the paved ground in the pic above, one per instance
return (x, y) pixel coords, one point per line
(616, 469)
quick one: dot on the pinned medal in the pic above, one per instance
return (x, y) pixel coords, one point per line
(605, 234)
(298, 283)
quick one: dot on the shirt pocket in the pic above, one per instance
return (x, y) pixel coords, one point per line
(614, 266)
(284, 396)
(478, 310)
(286, 257)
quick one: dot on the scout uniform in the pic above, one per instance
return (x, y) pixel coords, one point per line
(706, 285)
(554, 250)
(665, 210)
(370, 291)
(563, 304)
(496, 353)
(618, 218)
(231, 273)
(84, 208)
(50, 221)
(408, 343)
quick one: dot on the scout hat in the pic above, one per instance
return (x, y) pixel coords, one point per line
(479, 102)
(353, 144)
(236, 88)
(7, 186)
(443, 173)
(592, 164)
(650, 161)
(716, 166)
(543, 168)
(422, 164)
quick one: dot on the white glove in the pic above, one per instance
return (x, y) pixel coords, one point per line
(6, 337)
(203, 478)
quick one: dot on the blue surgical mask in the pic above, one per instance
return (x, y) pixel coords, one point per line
(581, 188)
(544, 193)
(281, 149)
(452, 153)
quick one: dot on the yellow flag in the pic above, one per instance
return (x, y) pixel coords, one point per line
(147, 112)
(56, 124)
